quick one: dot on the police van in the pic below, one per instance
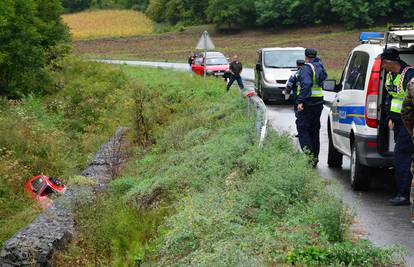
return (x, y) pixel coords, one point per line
(357, 126)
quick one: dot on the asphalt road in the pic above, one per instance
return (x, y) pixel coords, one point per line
(381, 223)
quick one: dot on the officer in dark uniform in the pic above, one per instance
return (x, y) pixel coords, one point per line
(293, 85)
(398, 76)
(310, 103)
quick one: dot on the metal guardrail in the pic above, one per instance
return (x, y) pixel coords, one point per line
(259, 107)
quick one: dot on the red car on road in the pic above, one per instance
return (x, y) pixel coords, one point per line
(215, 64)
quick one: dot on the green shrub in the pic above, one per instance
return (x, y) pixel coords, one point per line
(210, 195)
(111, 230)
(58, 134)
(28, 30)
(361, 253)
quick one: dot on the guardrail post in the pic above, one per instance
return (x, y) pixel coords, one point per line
(248, 106)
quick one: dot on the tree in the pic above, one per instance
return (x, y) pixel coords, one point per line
(301, 12)
(231, 12)
(156, 10)
(28, 30)
(76, 5)
(360, 12)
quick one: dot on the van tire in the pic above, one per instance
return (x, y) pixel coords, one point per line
(334, 156)
(360, 175)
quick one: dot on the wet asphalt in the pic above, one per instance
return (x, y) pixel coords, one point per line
(376, 220)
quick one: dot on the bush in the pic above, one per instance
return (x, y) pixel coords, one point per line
(361, 253)
(211, 196)
(29, 28)
(57, 134)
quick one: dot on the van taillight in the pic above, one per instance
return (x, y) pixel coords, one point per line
(371, 104)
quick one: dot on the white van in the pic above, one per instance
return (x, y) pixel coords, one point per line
(274, 67)
(356, 124)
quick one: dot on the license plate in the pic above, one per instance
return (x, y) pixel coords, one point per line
(219, 73)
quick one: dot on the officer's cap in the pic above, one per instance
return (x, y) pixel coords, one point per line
(300, 62)
(311, 52)
(391, 54)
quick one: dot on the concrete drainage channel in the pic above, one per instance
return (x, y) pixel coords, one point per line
(35, 244)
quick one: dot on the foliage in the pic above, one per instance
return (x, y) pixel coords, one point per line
(277, 12)
(57, 134)
(274, 12)
(156, 10)
(362, 253)
(76, 5)
(80, 5)
(231, 13)
(112, 234)
(225, 203)
(360, 11)
(28, 30)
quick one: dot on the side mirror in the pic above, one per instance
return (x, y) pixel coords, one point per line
(259, 67)
(330, 86)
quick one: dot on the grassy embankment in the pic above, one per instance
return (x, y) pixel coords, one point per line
(57, 134)
(200, 192)
(107, 24)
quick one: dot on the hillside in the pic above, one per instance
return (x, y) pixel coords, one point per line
(333, 43)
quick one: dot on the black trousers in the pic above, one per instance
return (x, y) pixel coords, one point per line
(308, 124)
(235, 77)
(403, 152)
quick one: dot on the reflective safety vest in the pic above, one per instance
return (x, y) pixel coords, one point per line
(316, 90)
(395, 88)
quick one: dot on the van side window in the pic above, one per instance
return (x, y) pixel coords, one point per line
(357, 71)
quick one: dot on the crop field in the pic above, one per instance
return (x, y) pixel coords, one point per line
(107, 24)
(333, 42)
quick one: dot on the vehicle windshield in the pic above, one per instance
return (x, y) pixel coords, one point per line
(38, 184)
(282, 58)
(217, 61)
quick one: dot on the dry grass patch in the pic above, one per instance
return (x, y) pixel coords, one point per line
(107, 24)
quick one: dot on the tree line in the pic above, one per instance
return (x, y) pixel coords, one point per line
(229, 13)
(32, 37)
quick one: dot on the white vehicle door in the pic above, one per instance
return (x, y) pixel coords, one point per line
(349, 104)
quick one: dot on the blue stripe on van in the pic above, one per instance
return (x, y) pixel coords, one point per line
(352, 114)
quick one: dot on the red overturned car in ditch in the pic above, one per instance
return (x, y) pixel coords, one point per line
(41, 187)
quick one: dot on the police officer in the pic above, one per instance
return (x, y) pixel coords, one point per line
(293, 85)
(310, 103)
(398, 76)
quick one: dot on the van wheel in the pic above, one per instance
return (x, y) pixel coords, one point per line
(334, 156)
(360, 174)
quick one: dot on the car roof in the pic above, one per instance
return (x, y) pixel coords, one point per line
(281, 48)
(214, 54)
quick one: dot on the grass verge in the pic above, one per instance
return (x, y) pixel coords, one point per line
(199, 191)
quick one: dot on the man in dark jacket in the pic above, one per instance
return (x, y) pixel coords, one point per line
(235, 69)
(310, 103)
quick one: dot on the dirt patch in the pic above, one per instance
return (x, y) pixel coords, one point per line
(333, 43)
